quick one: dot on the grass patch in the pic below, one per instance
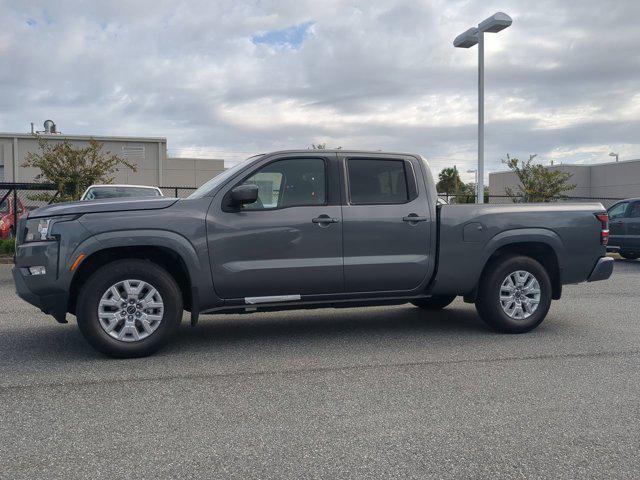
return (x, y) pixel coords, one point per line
(8, 246)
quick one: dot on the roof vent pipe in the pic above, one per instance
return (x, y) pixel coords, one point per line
(49, 127)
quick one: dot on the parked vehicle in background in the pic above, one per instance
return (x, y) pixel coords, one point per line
(301, 229)
(98, 192)
(624, 228)
(7, 217)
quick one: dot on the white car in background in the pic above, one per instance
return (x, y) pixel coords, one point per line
(96, 192)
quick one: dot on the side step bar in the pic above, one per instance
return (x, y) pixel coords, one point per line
(272, 299)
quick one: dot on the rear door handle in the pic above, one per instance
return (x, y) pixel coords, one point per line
(322, 219)
(412, 218)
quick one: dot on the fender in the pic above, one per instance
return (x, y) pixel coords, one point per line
(197, 266)
(525, 235)
(459, 274)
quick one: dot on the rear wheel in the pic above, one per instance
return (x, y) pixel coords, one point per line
(129, 308)
(514, 294)
(434, 303)
(629, 255)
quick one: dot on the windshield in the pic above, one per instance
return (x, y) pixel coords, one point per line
(120, 192)
(220, 179)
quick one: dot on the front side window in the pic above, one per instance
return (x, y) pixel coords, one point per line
(292, 182)
(618, 211)
(377, 181)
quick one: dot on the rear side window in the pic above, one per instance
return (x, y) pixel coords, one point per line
(374, 182)
(618, 211)
(634, 211)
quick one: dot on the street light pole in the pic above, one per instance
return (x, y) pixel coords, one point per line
(467, 39)
(480, 173)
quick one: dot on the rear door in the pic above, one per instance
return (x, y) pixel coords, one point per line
(632, 237)
(617, 224)
(386, 223)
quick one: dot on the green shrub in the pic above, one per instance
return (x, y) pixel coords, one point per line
(7, 247)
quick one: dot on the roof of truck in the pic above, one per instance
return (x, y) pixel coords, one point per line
(343, 150)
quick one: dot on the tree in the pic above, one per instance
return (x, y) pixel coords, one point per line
(72, 170)
(449, 181)
(537, 183)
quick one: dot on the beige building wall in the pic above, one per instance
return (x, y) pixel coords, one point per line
(580, 177)
(603, 180)
(191, 172)
(148, 154)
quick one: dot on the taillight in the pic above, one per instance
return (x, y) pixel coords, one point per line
(604, 230)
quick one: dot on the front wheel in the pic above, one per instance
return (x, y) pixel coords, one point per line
(514, 294)
(129, 308)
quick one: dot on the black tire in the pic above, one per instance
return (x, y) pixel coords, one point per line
(488, 302)
(111, 274)
(435, 302)
(629, 256)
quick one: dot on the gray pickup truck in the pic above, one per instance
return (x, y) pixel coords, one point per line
(300, 229)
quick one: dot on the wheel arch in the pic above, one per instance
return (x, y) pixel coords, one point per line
(544, 246)
(169, 250)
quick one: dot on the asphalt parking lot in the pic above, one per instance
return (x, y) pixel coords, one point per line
(364, 393)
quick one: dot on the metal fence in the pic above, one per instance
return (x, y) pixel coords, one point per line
(505, 199)
(18, 198)
(177, 192)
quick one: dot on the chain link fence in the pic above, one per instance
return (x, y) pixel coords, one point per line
(177, 192)
(16, 199)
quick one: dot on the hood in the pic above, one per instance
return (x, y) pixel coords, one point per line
(100, 206)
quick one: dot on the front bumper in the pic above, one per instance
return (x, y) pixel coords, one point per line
(602, 270)
(54, 304)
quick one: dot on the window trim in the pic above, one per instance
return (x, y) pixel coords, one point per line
(227, 209)
(408, 172)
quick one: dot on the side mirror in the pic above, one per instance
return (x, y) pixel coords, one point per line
(243, 195)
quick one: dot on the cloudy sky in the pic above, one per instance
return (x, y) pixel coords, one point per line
(227, 79)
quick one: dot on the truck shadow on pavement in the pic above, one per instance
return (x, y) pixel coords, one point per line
(327, 324)
(347, 326)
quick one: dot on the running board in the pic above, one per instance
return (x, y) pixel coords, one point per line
(272, 299)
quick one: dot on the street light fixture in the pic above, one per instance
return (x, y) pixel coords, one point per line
(474, 170)
(468, 39)
(614, 155)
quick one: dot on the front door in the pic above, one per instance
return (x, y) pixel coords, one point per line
(617, 224)
(386, 224)
(288, 243)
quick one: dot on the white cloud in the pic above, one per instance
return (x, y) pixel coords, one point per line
(361, 74)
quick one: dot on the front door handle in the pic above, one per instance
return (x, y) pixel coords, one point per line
(324, 219)
(413, 218)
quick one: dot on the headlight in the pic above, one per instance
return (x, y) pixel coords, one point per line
(38, 229)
